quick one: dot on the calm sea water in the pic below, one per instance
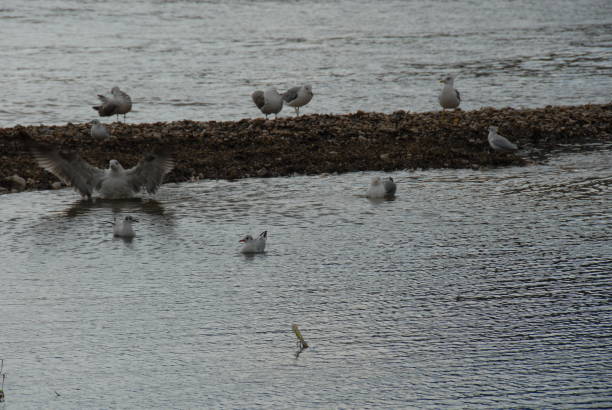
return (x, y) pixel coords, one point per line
(470, 289)
(202, 60)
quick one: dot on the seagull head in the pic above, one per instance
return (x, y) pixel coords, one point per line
(376, 181)
(492, 129)
(308, 89)
(130, 219)
(115, 90)
(448, 79)
(115, 165)
(95, 122)
(247, 238)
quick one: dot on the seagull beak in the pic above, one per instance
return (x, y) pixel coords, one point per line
(242, 240)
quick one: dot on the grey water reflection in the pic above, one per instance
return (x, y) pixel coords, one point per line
(481, 288)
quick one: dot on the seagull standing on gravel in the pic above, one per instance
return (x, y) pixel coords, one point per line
(254, 245)
(123, 228)
(297, 97)
(117, 103)
(98, 130)
(499, 143)
(268, 101)
(449, 97)
(381, 188)
(112, 183)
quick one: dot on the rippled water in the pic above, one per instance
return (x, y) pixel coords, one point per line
(470, 289)
(201, 60)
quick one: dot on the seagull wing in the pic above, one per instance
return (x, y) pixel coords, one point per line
(258, 99)
(504, 144)
(291, 94)
(107, 108)
(150, 171)
(69, 167)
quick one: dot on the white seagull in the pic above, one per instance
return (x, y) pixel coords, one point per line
(117, 103)
(381, 188)
(268, 101)
(254, 245)
(123, 227)
(449, 97)
(297, 97)
(98, 130)
(112, 183)
(499, 143)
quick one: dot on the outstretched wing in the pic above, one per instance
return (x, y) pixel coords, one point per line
(107, 108)
(149, 172)
(258, 99)
(291, 94)
(67, 166)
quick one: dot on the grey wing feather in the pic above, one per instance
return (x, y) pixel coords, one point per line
(503, 143)
(149, 172)
(291, 94)
(69, 167)
(106, 109)
(258, 99)
(390, 186)
(458, 95)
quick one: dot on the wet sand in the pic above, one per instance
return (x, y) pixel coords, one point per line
(314, 144)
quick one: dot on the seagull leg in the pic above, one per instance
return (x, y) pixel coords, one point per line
(297, 111)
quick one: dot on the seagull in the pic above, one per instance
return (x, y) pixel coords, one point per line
(123, 228)
(297, 97)
(112, 183)
(254, 245)
(499, 143)
(268, 101)
(449, 97)
(381, 188)
(98, 130)
(118, 103)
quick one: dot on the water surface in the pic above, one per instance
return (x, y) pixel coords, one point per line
(202, 60)
(471, 289)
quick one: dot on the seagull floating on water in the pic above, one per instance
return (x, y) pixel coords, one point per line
(123, 227)
(112, 183)
(297, 97)
(254, 245)
(98, 130)
(268, 101)
(449, 97)
(381, 188)
(117, 103)
(499, 143)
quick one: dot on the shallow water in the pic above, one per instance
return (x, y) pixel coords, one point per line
(469, 289)
(202, 60)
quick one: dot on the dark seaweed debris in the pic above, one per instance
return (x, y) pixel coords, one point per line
(314, 144)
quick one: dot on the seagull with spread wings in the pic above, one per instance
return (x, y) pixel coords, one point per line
(113, 183)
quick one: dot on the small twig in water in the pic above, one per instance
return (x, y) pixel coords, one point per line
(301, 343)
